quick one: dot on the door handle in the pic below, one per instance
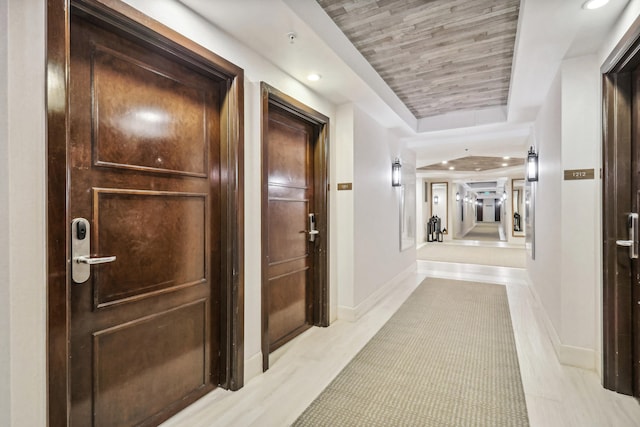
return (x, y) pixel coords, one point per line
(81, 251)
(312, 228)
(93, 261)
(632, 243)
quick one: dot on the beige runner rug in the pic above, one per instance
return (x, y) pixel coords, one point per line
(484, 232)
(447, 357)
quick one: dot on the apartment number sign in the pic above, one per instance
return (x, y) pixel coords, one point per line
(574, 174)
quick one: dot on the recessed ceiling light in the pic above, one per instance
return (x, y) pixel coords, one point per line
(314, 77)
(504, 164)
(451, 168)
(594, 4)
(444, 162)
(506, 158)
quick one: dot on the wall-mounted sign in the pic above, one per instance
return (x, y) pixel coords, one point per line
(345, 186)
(573, 174)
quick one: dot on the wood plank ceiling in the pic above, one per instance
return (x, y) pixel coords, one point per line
(474, 163)
(438, 56)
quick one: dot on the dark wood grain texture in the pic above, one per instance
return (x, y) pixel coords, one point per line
(290, 265)
(294, 184)
(617, 203)
(57, 231)
(164, 234)
(220, 315)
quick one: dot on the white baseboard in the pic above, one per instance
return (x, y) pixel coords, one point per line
(252, 367)
(352, 314)
(579, 357)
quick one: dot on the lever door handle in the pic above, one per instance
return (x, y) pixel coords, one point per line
(633, 242)
(93, 261)
(81, 260)
(313, 232)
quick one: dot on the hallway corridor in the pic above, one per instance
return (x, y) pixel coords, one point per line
(556, 395)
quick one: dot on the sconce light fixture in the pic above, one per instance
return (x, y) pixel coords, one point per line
(457, 197)
(466, 199)
(396, 174)
(504, 195)
(435, 199)
(532, 165)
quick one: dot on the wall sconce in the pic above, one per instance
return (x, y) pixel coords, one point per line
(457, 197)
(532, 165)
(396, 174)
(435, 200)
(466, 199)
(504, 195)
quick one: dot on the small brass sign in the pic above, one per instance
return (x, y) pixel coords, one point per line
(345, 186)
(573, 174)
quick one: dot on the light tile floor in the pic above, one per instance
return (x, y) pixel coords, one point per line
(556, 395)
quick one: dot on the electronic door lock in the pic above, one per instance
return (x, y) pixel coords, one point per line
(312, 228)
(632, 229)
(81, 260)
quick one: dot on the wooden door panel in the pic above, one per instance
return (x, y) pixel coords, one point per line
(133, 116)
(287, 230)
(287, 305)
(289, 156)
(289, 174)
(294, 185)
(131, 382)
(144, 168)
(157, 238)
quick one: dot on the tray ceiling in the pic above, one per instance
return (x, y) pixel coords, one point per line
(438, 56)
(474, 163)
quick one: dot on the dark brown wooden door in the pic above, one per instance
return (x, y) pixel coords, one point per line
(634, 297)
(479, 209)
(290, 193)
(144, 170)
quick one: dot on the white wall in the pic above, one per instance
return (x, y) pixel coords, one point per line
(545, 271)
(566, 271)
(5, 372)
(23, 185)
(581, 147)
(344, 166)
(377, 256)
(488, 210)
(469, 213)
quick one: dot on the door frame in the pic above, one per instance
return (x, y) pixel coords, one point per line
(126, 19)
(271, 96)
(617, 291)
